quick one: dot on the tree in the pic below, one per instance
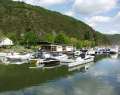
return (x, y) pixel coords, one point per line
(73, 41)
(13, 37)
(79, 44)
(49, 37)
(61, 39)
(30, 39)
(87, 35)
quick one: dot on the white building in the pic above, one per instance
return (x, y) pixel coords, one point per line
(57, 48)
(6, 42)
(52, 48)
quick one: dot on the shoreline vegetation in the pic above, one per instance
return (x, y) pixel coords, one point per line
(31, 40)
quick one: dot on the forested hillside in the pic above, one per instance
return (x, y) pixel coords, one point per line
(18, 18)
(114, 39)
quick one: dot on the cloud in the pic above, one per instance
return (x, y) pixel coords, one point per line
(70, 13)
(43, 2)
(88, 7)
(100, 19)
(94, 20)
(107, 24)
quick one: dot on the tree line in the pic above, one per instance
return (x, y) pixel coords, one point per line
(32, 39)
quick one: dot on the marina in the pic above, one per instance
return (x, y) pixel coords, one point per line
(94, 78)
(59, 47)
(36, 72)
(43, 57)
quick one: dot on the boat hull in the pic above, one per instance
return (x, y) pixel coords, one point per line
(50, 63)
(79, 62)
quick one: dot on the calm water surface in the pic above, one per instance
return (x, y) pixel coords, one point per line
(101, 78)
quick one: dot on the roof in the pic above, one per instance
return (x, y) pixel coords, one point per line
(3, 38)
(44, 43)
(49, 43)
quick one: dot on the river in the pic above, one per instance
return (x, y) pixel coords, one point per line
(101, 77)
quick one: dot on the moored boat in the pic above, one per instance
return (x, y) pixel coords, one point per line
(91, 52)
(114, 50)
(51, 62)
(59, 56)
(83, 59)
(46, 58)
(16, 58)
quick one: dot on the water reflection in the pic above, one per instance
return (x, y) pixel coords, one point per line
(99, 78)
(81, 68)
(17, 77)
(114, 56)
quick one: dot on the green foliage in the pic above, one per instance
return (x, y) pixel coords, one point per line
(29, 39)
(85, 43)
(73, 41)
(114, 39)
(18, 18)
(87, 35)
(13, 37)
(101, 39)
(61, 39)
(48, 37)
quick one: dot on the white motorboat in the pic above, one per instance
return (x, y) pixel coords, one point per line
(15, 61)
(77, 53)
(3, 54)
(91, 52)
(59, 56)
(42, 55)
(114, 50)
(16, 58)
(46, 58)
(79, 61)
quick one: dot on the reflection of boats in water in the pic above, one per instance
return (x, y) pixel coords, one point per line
(23, 77)
(114, 56)
(81, 68)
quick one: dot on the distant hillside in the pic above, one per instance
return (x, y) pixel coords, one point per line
(17, 18)
(114, 39)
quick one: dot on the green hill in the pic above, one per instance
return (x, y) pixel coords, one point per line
(114, 39)
(17, 18)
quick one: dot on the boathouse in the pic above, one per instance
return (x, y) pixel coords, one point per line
(5, 42)
(56, 47)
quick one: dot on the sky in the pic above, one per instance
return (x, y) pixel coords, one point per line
(101, 15)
